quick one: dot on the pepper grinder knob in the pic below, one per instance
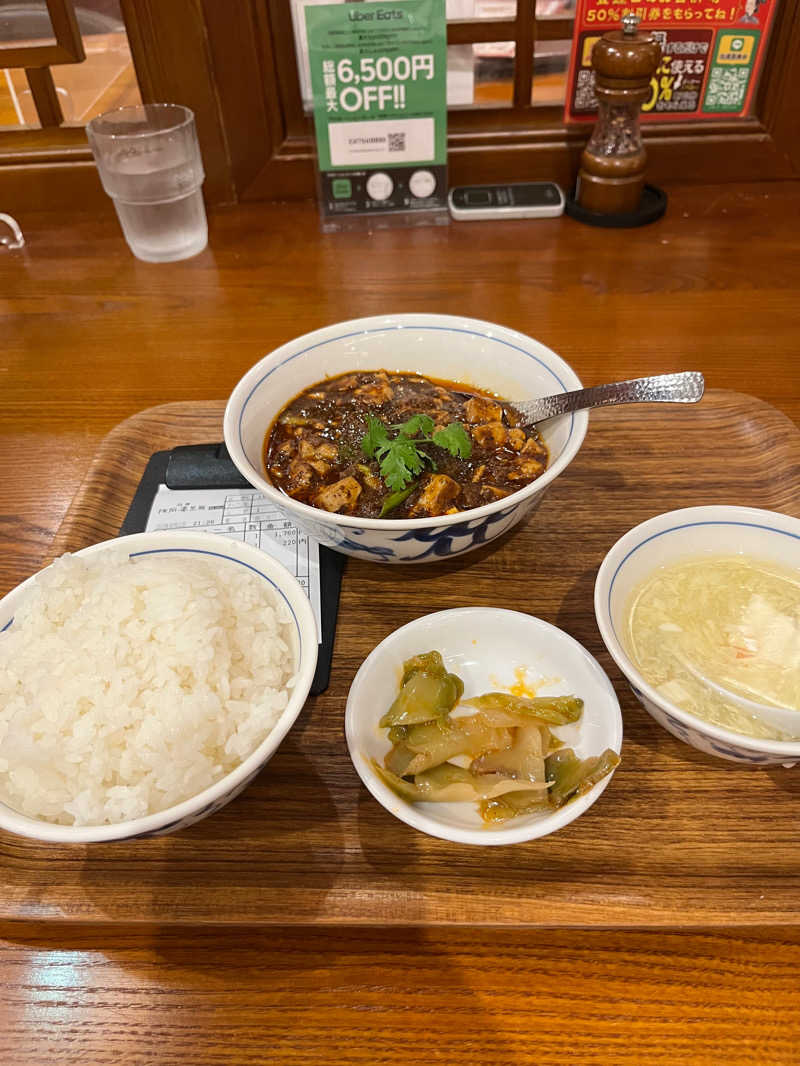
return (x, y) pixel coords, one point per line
(630, 24)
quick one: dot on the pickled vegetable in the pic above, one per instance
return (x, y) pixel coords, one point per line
(430, 662)
(452, 784)
(498, 810)
(436, 742)
(570, 776)
(501, 708)
(423, 698)
(524, 760)
(496, 750)
(399, 760)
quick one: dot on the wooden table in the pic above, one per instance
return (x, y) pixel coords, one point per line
(90, 337)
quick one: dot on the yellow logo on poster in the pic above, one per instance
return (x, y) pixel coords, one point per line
(588, 45)
(735, 48)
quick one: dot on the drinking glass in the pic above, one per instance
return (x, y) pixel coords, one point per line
(149, 163)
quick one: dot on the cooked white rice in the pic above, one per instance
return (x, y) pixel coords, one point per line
(127, 686)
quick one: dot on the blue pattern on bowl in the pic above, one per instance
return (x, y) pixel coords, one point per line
(204, 812)
(730, 750)
(424, 542)
(222, 800)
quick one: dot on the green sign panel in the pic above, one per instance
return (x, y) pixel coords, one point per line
(732, 67)
(379, 81)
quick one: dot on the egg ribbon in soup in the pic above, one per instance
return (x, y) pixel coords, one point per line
(706, 631)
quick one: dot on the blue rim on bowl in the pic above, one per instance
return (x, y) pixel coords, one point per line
(217, 795)
(563, 376)
(724, 742)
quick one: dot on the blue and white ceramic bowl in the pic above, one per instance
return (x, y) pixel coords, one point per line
(663, 540)
(225, 553)
(442, 346)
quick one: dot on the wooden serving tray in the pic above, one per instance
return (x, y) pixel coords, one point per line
(677, 840)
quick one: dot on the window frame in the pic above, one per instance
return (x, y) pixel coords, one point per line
(526, 142)
(234, 65)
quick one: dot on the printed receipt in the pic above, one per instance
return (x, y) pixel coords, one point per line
(243, 514)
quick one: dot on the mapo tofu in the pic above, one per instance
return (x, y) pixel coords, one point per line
(381, 444)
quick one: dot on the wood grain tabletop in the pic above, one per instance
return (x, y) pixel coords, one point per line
(92, 337)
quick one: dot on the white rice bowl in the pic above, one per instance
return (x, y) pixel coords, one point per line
(129, 685)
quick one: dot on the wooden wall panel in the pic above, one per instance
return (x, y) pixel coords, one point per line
(234, 66)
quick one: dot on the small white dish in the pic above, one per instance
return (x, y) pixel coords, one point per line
(660, 541)
(486, 647)
(226, 554)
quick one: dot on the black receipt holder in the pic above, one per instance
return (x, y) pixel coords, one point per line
(208, 466)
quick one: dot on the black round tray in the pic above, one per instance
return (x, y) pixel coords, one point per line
(651, 207)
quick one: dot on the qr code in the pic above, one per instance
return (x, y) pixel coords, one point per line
(727, 89)
(397, 142)
(585, 98)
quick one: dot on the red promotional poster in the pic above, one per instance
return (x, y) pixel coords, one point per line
(712, 51)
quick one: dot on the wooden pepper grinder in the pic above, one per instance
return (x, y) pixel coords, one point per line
(610, 189)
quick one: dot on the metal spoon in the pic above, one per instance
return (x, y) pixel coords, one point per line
(663, 388)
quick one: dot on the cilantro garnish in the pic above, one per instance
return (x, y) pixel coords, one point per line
(400, 457)
(416, 424)
(375, 437)
(455, 439)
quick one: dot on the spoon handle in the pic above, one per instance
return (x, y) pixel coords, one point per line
(663, 388)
